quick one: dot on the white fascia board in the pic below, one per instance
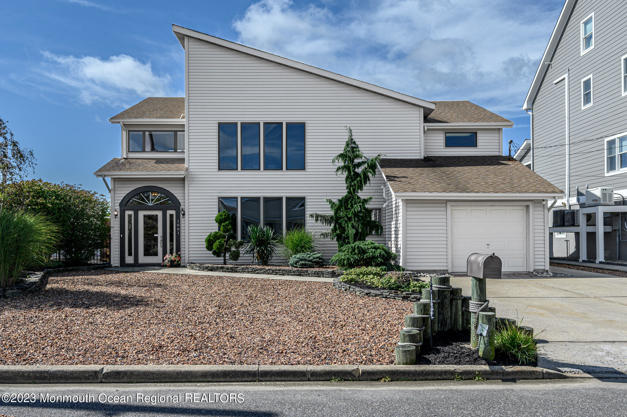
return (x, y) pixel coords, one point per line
(149, 121)
(468, 125)
(162, 174)
(522, 148)
(476, 196)
(543, 66)
(181, 32)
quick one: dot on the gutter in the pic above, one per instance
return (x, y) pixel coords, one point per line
(565, 78)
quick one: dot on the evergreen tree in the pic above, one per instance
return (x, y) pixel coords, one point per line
(351, 220)
(223, 241)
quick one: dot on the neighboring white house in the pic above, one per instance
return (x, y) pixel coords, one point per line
(255, 135)
(578, 107)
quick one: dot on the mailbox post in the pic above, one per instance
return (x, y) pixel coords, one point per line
(479, 267)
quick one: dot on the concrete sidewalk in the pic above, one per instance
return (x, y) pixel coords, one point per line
(579, 321)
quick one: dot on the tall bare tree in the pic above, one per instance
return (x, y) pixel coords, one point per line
(15, 161)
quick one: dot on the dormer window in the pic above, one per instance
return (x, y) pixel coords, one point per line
(156, 141)
(587, 34)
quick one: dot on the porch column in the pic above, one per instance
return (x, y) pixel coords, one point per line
(583, 237)
(600, 235)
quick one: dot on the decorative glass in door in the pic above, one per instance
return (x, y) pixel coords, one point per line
(151, 234)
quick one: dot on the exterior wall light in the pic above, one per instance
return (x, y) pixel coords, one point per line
(115, 213)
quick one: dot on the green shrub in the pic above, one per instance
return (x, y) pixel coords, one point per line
(378, 277)
(363, 253)
(26, 240)
(298, 241)
(81, 216)
(306, 260)
(223, 242)
(262, 243)
(515, 345)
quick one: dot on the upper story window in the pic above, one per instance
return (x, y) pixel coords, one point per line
(280, 146)
(156, 141)
(586, 92)
(587, 34)
(460, 139)
(623, 73)
(616, 154)
(227, 146)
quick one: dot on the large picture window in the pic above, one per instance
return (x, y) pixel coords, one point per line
(295, 213)
(156, 141)
(250, 145)
(295, 138)
(616, 154)
(273, 146)
(251, 214)
(227, 145)
(460, 139)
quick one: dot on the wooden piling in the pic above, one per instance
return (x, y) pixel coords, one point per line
(405, 354)
(478, 294)
(422, 308)
(456, 310)
(486, 343)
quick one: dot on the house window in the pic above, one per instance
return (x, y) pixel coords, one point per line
(273, 214)
(460, 139)
(623, 67)
(273, 146)
(156, 141)
(250, 146)
(376, 215)
(295, 137)
(250, 214)
(295, 213)
(586, 92)
(587, 34)
(229, 204)
(227, 146)
(171, 232)
(616, 154)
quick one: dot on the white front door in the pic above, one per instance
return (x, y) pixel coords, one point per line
(501, 230)
(150, 237)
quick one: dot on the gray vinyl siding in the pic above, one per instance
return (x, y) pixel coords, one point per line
(539, 230)
(121, 187)
(589, 127)
(227, 86)
(488, 142)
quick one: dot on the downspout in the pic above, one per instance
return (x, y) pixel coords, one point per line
(530, 112)
(567, 133)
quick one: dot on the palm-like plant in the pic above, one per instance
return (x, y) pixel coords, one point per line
(262, 243)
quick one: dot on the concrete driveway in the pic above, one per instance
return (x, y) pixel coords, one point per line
(580, 318)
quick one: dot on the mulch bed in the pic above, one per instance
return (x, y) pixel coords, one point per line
(104, 317)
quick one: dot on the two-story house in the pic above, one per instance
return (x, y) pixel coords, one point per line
(255, 135)
(578, 109)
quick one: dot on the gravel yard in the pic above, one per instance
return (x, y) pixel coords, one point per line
(103, 317)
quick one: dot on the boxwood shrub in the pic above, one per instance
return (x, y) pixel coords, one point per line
(306, 260)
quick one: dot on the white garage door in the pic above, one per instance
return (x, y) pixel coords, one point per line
(489, 229)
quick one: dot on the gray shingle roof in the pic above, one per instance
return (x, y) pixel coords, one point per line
(462, 112)
(142, 165)
(154, 108)
(464, 174)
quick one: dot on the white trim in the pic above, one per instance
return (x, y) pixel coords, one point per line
(526, 144)
(141, 174)
(581, 35)
(169, 213)
(476, 196)
(156, 155)
(182, 32)
(185, 205)
(149, 121)
(467, 125)
(565, 78)
(545, 208)
(623, 73)
(618, 169)
(141, 258)
(585, 106)
(131, 238)
(543, 66)
(403, 210)
(529, 238)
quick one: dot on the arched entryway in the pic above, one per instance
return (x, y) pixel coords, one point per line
(150, 226)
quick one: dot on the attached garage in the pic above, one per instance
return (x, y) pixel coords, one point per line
(451, 207)
(498, 229)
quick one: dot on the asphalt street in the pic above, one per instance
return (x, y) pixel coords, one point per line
(575, 397)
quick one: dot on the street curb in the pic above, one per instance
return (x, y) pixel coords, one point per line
(132, 374)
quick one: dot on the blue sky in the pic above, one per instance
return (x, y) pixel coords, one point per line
(68, 65)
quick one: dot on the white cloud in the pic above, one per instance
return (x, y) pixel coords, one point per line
(482, 50)
(117, 80)
(87, 3)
